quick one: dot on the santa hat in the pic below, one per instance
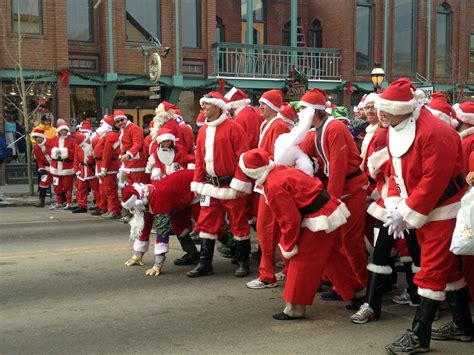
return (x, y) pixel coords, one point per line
(130, 196)
(38, 132)
(440, 108)
(369, 98)
(108, 120)
(215, 98)
(79, 137)
(86, 126)
(273, 99)
(200, 119)
(315, 99)
(237, 98)
(62, 125)
(118, 115)
(465, 112)
(288, 112)
(400, 98)
(166, 107)
(165, 134)
(256, 164)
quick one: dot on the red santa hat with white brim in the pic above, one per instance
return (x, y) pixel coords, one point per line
(135, 196)
(441, 109)
(273, 99)
(86, 126)
(215, 98)
(256, 164)
(315, 99)
(237, 98)
(201, 119)
(62, 125)
(165, 134)
(38, 133)
(465, 112)
(119, 115)
(400, 98)
(108, 120)
(288, 112)
(369, 98)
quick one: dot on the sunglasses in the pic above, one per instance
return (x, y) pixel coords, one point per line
(120, 120)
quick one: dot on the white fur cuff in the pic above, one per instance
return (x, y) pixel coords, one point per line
(457, 285)
(432, 295)
(289, 254)
(380, 269)
(140, 245)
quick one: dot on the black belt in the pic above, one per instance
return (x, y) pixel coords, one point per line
(454, 186)
(354, 174)
(218, 181)
(316, 204)
(101, 159)
(89, 165)
(67, 160)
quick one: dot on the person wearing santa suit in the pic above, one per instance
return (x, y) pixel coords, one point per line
(339, 165)
(309, 219)
(42, 152)
(101, 205)
(381, 269)
(106, 154)
(465, 116)
(186, 132)
(132, 147)
(169, 157)
(430, 182)
(221, 184)
(84, 168)
(62, 163)
(267, 229)
(169, 196)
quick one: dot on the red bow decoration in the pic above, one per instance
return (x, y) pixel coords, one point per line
(64, 77)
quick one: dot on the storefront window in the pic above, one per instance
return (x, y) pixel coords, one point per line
(79, 20)
(191, 24)
(30, 16)
(142, 20)
(84, 105)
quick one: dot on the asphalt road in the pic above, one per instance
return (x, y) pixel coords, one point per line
(64, 289)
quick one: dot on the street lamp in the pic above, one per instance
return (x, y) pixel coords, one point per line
(377, 75)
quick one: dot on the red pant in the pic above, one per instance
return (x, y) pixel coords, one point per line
(63, 184)
(82, 191)
(46, 180)
(439, 267)
(211, 219)
(305, 269)
(353, 245)
(109, 193)
(268, 232)
(137, 177)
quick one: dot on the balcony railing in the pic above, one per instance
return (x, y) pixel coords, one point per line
(274, 62)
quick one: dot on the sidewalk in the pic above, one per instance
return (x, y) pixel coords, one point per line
(17, 195)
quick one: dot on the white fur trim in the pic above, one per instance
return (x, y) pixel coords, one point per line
(415, 268)
(119, 117)
(314, 107)
(392, 202)
(209, 150)
(413, 218)
(55, 153)
(289, 254)
(376, 161)
(221, 193)
(464, 117)
(406, 259)
(245, 237)
(161, 248)
(61, 128)
(395, 107)
(456, 285)
(235, 105)
(380, 269)
(141, 245)
(61, 172)
(230, 93)
(216, 102)
(402, 136)
(370, 98)
(378, 212)
(441, 115)
(241, 186)
(432, 295)
(467, 132)
(204, 235)
(130, 202)
(252, 173)
(36, 135)
(269, 104)
(327, 223)
(166, 137)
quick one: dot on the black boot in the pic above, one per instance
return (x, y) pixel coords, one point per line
(390, 283)
(461, 326)
(79, 209)
(417, 340)
(242, 253)
(374, 293)
(204, 267)
(42, 196)
(192, 255)
(412, 289)
(257, 255)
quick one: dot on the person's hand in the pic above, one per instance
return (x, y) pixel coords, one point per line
(239, 194)
(125, 157)
(395, 223)
(470, 178)
(42, 171)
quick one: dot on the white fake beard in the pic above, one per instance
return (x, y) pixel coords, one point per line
(137, 223)
(166, 155)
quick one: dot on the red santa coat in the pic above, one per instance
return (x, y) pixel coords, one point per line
(42, 155)
(187, 136)
(337, 157)
(106, 153)
(422, 171)
(269, 132)
(467, 137)
(218, 147)
(132, 144)
(180, 162)
(62, 155)
(84, 162)
(250, 119)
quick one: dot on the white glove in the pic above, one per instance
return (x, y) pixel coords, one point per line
(103, 172)
(395, 223)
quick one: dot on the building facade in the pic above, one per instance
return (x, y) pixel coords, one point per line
(84, 58)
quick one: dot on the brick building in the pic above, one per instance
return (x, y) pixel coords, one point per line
(87, 57)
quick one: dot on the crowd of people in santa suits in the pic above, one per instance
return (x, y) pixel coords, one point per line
(296, 174)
